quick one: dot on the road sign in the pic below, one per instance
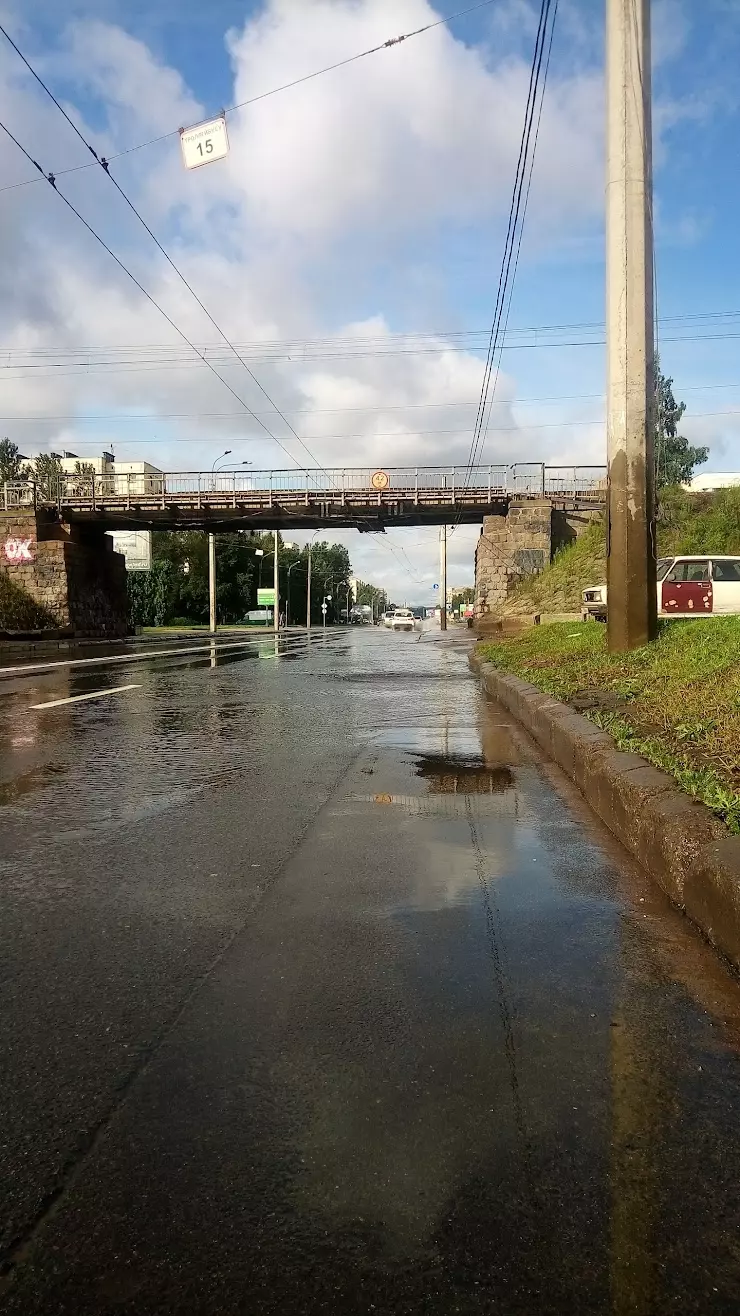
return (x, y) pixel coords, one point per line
(204, 142)
(136, 546)
(324, 609)
(266, 597)
(380, 480)
(435, 586)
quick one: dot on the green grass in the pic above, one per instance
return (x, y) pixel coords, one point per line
(558, 588)
(677, 702)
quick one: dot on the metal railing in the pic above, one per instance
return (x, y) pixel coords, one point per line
(356, 485)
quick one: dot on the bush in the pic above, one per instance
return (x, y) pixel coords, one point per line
(19, 611)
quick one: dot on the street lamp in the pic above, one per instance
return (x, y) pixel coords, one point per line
(292, 567)
(212, 557)
(215, 464)
(308, 586)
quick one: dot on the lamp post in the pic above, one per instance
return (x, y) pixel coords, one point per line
(308, 591)
(292, 567)
(212, 556)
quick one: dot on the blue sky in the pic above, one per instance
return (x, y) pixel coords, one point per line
(367, 203)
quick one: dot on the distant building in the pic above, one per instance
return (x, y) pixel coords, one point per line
(133, 477)
(713, 480)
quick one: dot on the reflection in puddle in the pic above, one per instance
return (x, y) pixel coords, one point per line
(460, 774)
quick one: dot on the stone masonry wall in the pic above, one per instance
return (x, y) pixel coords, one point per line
(51, 577)
(510, 547)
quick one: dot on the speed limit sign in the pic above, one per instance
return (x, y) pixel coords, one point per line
(204, 143)
(380, 480)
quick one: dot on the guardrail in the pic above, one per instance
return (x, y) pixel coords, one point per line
(427, 484)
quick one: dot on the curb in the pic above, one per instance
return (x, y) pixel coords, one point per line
(677, 840)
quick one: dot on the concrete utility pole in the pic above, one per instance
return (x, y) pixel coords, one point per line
(276, 580)
(631, 566)
(212, 582)
(443, 577)
(308, 592)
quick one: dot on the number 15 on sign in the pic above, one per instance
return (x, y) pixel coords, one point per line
(204, 143)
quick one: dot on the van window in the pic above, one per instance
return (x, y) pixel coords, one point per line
(688, 571)
(728, 570)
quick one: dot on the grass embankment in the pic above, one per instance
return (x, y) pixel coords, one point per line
(676, 702)
(558, 588)
(687, 523)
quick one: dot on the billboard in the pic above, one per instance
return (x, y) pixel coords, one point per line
(136, 546)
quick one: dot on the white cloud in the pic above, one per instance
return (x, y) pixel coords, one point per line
(412, 146)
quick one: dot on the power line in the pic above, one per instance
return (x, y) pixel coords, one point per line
(168, 258)
(523, 220)
(338, 340)
(67, 370)
(50, 179)
(525, 165)
(444, 336)
(286, 86)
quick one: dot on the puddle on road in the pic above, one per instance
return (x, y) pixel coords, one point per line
(462, 775)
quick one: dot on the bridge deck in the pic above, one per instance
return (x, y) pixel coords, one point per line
(362, 499)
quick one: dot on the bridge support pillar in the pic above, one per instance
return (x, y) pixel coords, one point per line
(510, 547)
(55, 577)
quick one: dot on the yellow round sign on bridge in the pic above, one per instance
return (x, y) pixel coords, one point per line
(380, 480)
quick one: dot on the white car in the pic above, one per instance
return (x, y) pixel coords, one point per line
(388, 619)
(688, 586)
(402, 620)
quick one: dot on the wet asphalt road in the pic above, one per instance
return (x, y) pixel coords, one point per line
(322, 992)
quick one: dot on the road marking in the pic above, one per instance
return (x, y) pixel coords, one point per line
(205, 648)
(76, 699)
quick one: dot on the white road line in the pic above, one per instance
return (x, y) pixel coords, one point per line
(204, 648)
(76, 699)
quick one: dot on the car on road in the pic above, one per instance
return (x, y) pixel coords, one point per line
(402, 620)
(387, 617)
(689, 585)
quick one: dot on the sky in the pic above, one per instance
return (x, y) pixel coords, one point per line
(350, 243)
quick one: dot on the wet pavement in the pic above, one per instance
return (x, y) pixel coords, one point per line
(323, 992)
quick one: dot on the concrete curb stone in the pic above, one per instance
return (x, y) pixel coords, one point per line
(677, 840)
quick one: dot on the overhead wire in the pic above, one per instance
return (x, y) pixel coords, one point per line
(521, 231)
(514, 230)
(252, 100)
(105, 166)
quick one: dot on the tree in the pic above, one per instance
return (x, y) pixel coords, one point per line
(462, 597)
(372, 596)
(675, 458)
(12, 462)
(47, 472)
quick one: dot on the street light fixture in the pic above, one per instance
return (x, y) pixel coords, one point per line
(292, 567)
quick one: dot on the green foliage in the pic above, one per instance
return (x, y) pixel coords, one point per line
(20, 612)
(181, 591)
(462, 597)
(150, 594)
(676, 701)
(371, 596)
(12, 464)
(699, 523)
(558, 587)
(675, 459)
(47, 471)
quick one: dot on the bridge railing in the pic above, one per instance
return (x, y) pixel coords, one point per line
(453, 483)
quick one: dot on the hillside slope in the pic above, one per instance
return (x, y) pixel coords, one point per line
(687, 523)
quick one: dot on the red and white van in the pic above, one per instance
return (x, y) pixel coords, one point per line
(690, 585)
